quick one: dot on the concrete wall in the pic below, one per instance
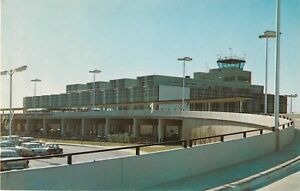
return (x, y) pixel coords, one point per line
(194, 128)
(286, 136)
(145, 170)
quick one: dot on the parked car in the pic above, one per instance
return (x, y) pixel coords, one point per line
(7, 154)
(53, 148)
(32, 149)
(13, 138)
(7, 145)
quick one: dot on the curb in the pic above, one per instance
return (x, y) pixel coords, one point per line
(263, 178)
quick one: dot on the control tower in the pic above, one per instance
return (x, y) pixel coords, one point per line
(231, 62)
(230, 69)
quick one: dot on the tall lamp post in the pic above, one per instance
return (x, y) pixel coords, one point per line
(10, 73)
(34, 90)
(267, 35)
(277, 61)
(96, 71)
(185, 59)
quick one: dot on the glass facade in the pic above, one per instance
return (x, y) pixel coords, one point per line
(130, 93)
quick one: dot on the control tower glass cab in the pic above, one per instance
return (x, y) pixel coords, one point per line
(231, 62)
(230, 69)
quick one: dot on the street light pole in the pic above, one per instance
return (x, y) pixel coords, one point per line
(266, 79)
(10, 103)
(34, 90)
(94, 85)
(188, 59)
(277, 59)
(267, 35)
(10, 73)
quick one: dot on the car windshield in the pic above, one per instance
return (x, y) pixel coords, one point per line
(9, 154)
(32, 145)
(51, 146)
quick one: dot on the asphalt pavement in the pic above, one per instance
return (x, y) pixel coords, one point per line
(78, 158)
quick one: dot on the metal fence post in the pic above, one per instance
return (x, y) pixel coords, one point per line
(185, 144)
(190, 143)
(222, 138)
(69, 159)
(137, 150)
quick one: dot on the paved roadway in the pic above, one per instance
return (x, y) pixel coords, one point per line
(290, 182)
(78, 158)
(245, 169)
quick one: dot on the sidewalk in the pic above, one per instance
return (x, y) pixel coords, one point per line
(290, 183)
(240, 171)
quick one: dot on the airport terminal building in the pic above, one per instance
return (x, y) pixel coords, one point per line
(227, 88)
(145, 109)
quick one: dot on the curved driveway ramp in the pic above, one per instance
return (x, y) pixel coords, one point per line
(264, 173)
(218, 166)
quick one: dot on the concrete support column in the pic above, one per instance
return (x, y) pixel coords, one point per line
(186, 130)
(208, 106)
(135, 130)
(27, 126)
(66, 129)
(45, 130)
(180, 130)
(129, 130)
(93, 128)
(161, 130)
(241, 106)
(98, 129)
(82, 127)
(106, 129)
(62, 127)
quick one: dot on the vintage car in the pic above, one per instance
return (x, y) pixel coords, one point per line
(53, 148)
(7, 154)
(7, 145)
(13, 138)
(32, 149)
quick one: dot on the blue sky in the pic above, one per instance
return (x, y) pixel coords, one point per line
(61, 40)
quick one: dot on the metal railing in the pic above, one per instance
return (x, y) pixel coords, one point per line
(244, 133)
(69, 155)
(184, 143)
